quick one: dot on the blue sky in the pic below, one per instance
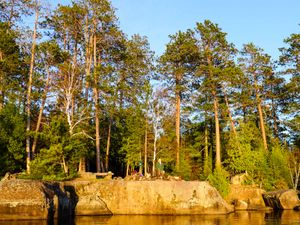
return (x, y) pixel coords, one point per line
(264, 22)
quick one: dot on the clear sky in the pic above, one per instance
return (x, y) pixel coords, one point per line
(264, 22)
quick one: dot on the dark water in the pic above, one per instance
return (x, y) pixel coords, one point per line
(237, 218)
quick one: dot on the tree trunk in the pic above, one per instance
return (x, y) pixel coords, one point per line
(297, 174)
(65, 166)
(28, 102)
(206, 159)
(216, 114)
(108, 145)
(2, 95)
(229, 115)
(97, 123)
(97, 111)
(41, 112)
(155, 128)
(88, 62)
(217, 130)
(146, 146)
(127, 168)
(154, 160)
(261, 118)
(177, 129)
(274, 115)
(82, 165)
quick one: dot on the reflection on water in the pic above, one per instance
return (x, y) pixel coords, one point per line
(237, 218)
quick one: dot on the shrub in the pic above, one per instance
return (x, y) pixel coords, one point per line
(219, 179)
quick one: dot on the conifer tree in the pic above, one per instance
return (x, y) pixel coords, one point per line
(257, 68)
(216, 60)
(176, 65)
(290, 60)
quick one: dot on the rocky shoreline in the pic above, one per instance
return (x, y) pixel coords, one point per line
(27, 199)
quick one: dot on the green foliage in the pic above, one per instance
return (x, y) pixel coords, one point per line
(246, 154)
(47, 165)
(86, 52)
(279, 166)
(62, 150)
(12, 137)
(178, 62)
(244, 150)
(10, 64)
(132, 141)
(219, 179)
(188, 160)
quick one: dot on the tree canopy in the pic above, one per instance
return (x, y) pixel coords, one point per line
(77, 94)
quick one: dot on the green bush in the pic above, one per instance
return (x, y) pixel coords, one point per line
(47, 165)
(279, 166)
(219, 179)
(12, 140)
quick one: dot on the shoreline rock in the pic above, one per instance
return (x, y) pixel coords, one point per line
(156, 197)
(28, 199)
(282, 199)
(246, 197)
(47, 200)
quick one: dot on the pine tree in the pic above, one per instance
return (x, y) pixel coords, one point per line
(257, 68)
(176, 66)
(290, 60)
(10, 65)
(216, 59)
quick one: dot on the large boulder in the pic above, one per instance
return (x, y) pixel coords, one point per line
(282, 199)
(24, 200)
(154, 197)
(28, 199)
(246, 197)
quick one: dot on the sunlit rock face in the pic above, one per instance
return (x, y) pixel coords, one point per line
(90, 204)
(27, 199)
(157, 197)
(282, 199)
(24, 200)
(246, 197)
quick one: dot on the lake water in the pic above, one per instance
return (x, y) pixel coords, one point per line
(238, 218)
